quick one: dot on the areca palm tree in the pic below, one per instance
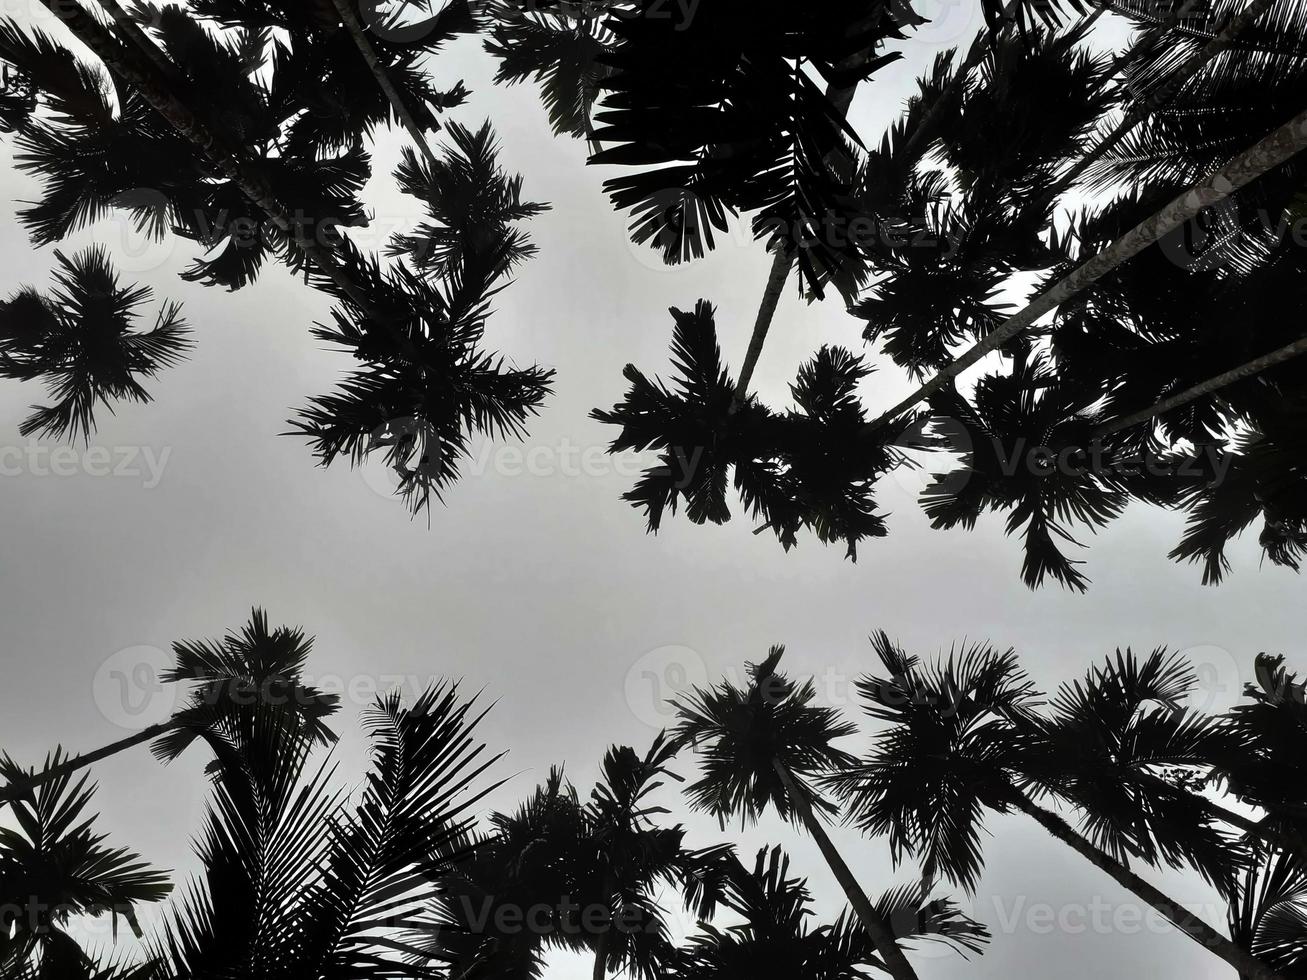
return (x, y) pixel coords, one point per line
(774, 937)
(560, 872)
(763, 746)
(224, 163)
(55, 867)
(84, 340)
(959, 744)
(256, 673)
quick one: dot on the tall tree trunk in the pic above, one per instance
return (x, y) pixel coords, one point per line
(1248, 370)
(132, 31)
(137, 71)
(1275, 149)
(350, 19)
(882, 935)
(21, 786)
(842, 99)
(1192, 926)
(604, 940)
(1155, 98)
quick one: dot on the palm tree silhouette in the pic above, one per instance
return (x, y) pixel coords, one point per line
(256, 671)
(300, 879)
(54, 866)
(953, 751)
(585, 873)
(774, 937)
(762, 747)
(84, 341)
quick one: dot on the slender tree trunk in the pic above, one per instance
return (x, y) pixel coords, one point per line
(1155, 98)
(1188, 923)
(369, 52)
(1248, 370)
(600, 971)
(1275, 149)
(131, 30)
(604, 940)
(877, 928)
(19, 787)
(842, 99)
(229, 159)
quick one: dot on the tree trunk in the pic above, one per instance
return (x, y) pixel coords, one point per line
(877, 928)
(1155, 98)
(604, 939)
(369, 52)
(19, 787)
(131, 30)
(1248, 370)
(1192, 926)
(841, 98)
(141, 76)
(1275, 149)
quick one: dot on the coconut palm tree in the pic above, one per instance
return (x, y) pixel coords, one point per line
(959, 744)
(774, 937)
(54, 867)
(85, 342)
(1268, 913)
(257, 671)
(299, 879)
(762, 747)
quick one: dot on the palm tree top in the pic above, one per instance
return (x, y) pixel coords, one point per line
(951, 752)
(744, 733)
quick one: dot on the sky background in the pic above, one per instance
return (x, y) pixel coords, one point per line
(536, 582)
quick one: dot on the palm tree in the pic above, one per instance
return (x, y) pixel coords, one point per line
(762, 747)
(299, 879)
(1268, 913)
(775, 939)
(792, 470)
(54, 867)
(586, 873)
(84, 340)
(953, 751)
(254, 672)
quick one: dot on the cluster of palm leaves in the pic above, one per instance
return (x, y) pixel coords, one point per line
(1031, 158)
(242, 126)
(406, 877)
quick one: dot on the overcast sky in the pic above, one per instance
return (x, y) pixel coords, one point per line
(536, 582)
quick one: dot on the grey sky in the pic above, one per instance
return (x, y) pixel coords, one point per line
(536, 582)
